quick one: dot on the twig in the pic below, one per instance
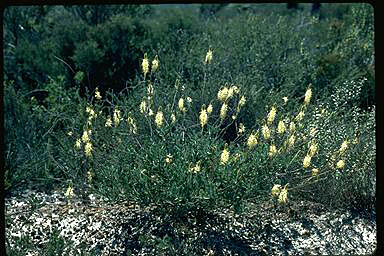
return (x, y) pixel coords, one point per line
(64, 63)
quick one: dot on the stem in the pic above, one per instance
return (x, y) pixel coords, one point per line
(204, 85)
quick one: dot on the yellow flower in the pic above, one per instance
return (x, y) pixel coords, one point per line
(307, 161)
(222, 94)
(116, 116)
(272, 150)
(132, 125)
(130, 120)
(242, 101)
(315, 172)
(143, 107)
(271, 115)
(108, 123)
(292, 127)
(223, 111)
(276, 190)
(340, 164)
(312, 149)
(209, 109)
(70, 133)
(230, 93)
(150, 112)
(313, 132)
(145, 65)
(78, 144)
(85, 136)
(69, 193)
(91, 113)
(235, 89)
(285, 99)
(224, 156)
(89, 176)
(181, 105)
(252, 141)
(168, 159)
(173, 118)
(283, 196)
(88, 149)
(189, 99)
(300, 116)
(208, 57)
(343, 146)
(97, 94)
(159, 119)
(241, 128)
(333, 159)
(155, 64)
(291, 140)
(266, 132)
(149, 90)
(308, 95)
(203, 117)
(281, 127)
(196, 168)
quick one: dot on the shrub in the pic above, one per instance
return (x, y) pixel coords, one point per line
(169, 150)
(156, 142)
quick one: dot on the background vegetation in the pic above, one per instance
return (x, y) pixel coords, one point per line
(56, 56)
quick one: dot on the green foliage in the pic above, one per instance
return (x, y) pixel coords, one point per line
(112, 147)
(61, 41)
(98, 14)
(74, 95)
(111, 51)
(33, 124)
(107, 43)
(208, 10)
(23, 142)
(177, 165)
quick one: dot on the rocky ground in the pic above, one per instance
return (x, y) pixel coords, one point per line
(100, 228)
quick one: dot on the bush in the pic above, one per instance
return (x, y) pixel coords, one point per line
(62, 41)
(161, 152)
(110, 143)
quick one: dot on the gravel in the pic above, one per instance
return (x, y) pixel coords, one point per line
(126, 228)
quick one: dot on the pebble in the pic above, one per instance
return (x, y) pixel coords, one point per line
(108, 229)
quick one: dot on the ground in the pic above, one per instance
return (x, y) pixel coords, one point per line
(125, 228)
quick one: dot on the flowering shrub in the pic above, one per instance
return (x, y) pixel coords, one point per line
(174, 155)
(213, 127)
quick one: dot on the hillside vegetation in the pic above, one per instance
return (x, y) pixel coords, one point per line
(194, 107)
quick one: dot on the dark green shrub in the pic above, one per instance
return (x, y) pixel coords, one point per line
(111, 54)
(56, 42)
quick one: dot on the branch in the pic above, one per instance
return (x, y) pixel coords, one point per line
(65, 63)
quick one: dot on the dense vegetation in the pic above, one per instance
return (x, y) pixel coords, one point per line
(194, 107)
